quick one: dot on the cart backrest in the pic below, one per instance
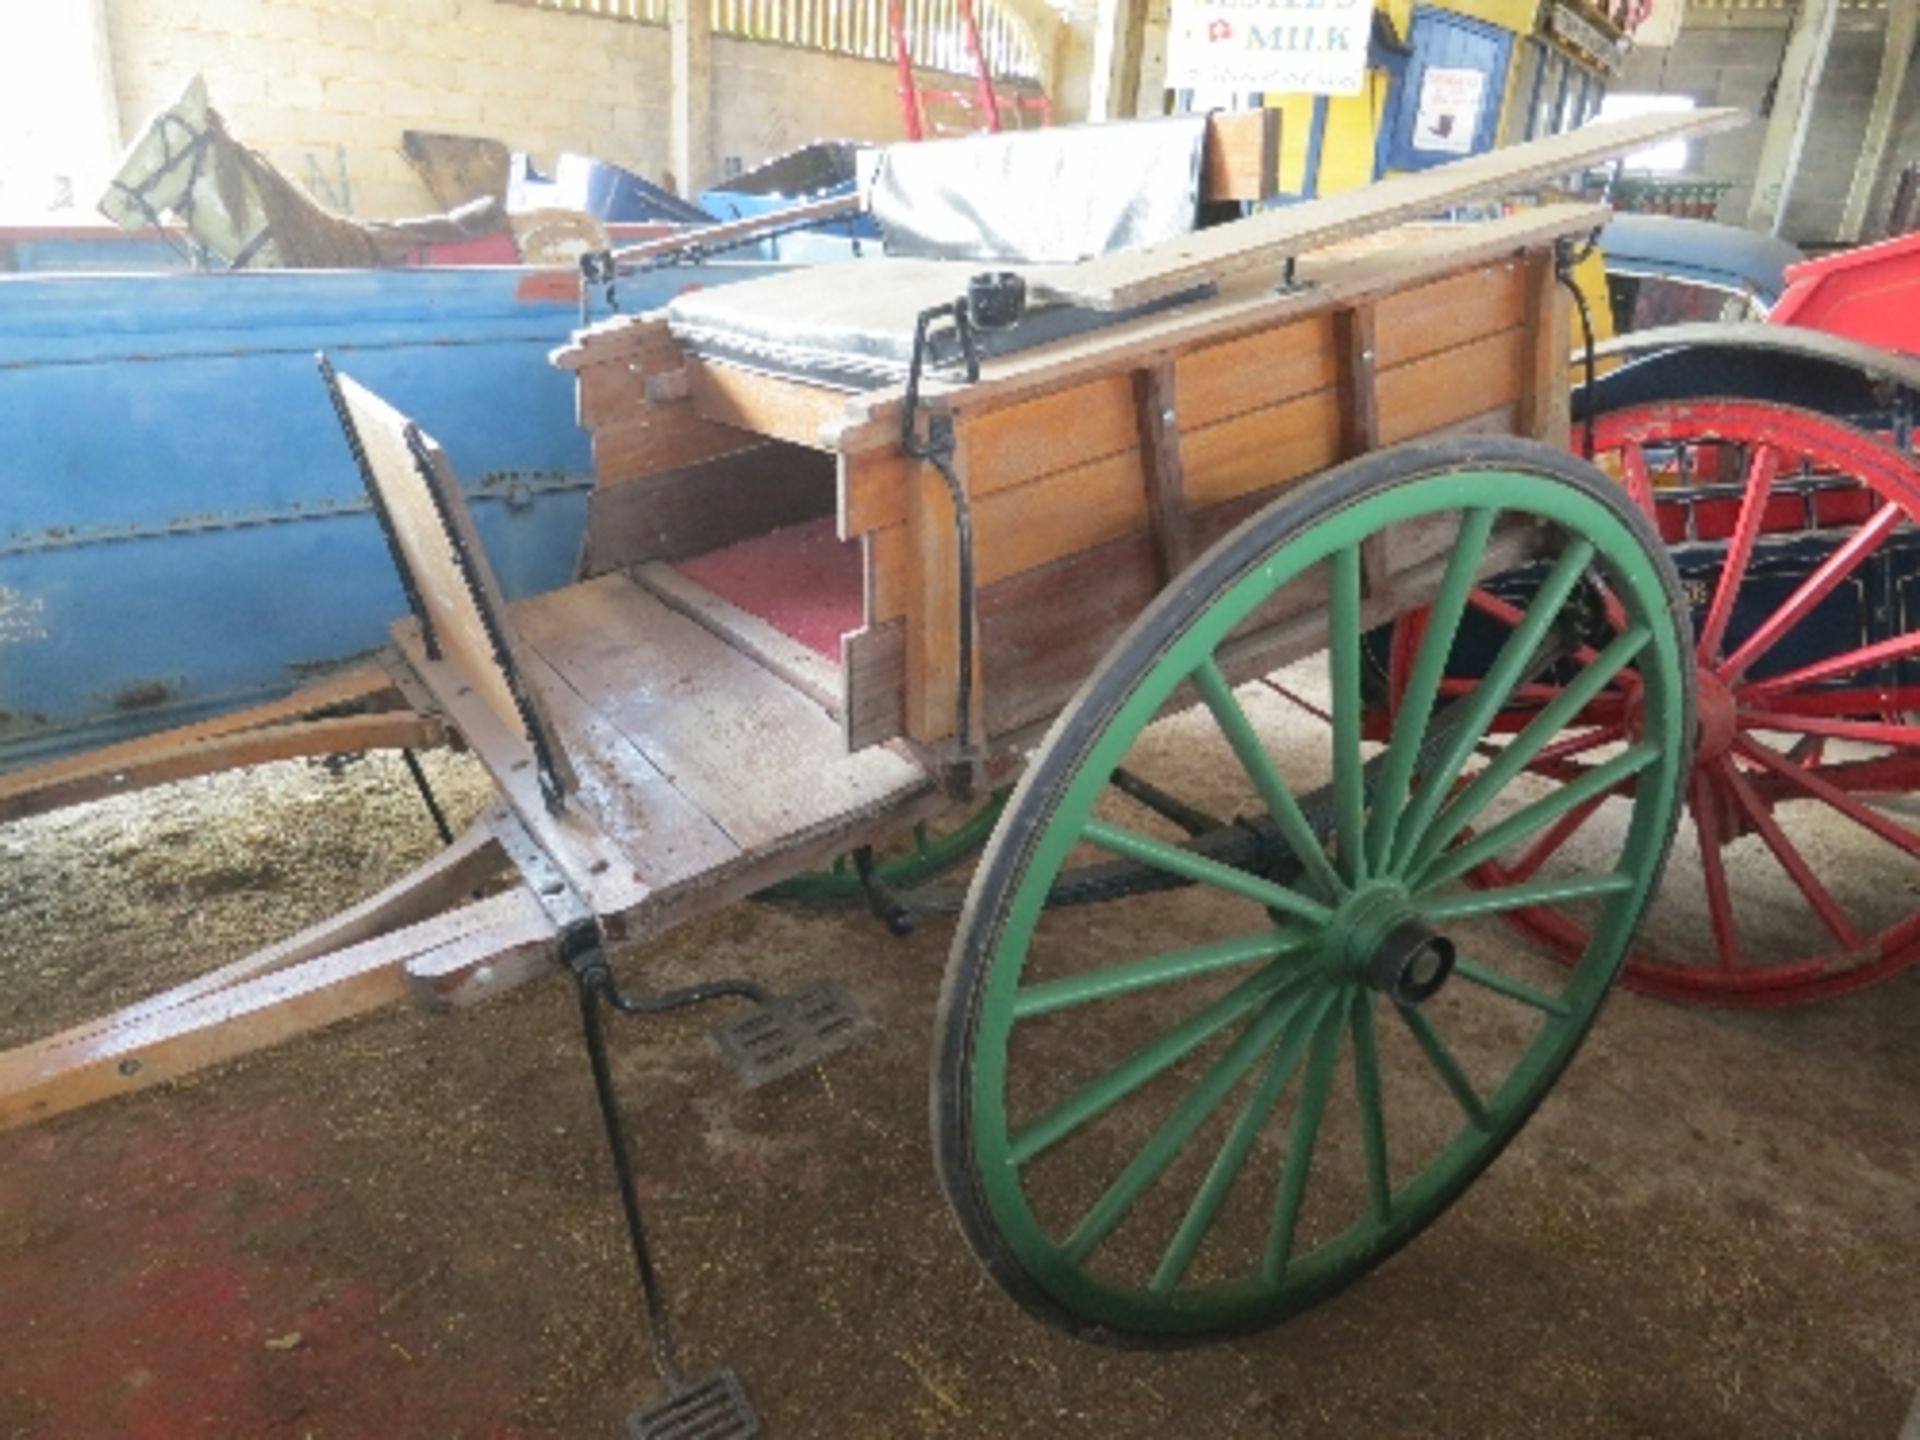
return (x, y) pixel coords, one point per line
(443, 569)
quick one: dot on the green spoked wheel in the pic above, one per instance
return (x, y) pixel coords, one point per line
(1189, 1114)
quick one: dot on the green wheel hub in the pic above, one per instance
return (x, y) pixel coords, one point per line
(1207, 1116)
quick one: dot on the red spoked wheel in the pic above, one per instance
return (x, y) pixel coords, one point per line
(1794, 878)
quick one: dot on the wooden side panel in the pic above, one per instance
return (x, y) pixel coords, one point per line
(1261, 447)
(663, 436)
(463, 607)
(705, 506)
(1016, 530)
(1010, 446)
(1264, 368)
(1445, 313)
(1441, 389)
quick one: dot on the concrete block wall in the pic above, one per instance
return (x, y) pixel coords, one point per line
(324, 88)
(1720, 64)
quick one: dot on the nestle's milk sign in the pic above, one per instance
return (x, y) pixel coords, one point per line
(1310, 47)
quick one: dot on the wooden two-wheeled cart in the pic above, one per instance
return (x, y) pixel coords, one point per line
(1224, 1025)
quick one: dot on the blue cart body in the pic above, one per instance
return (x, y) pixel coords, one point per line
(182, 531)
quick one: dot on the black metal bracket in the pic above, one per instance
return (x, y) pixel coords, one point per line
(994, 300)
(1565, 261)
(883, 901)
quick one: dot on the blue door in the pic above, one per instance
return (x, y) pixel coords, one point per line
(1455, 85)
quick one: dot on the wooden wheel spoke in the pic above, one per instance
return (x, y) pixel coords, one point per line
(1884, 652)
(1816, 587)
(1188, 866)
(1557, 835)
(1301, 1143)
(1048, 996)
(1633, 470)
(1104, 1091)
(1713, 874)
(1790, 858)
(1488, 603)
(1464, 904)
(1813, 784)
(1371, 1099)
(1580, 744)
(1178, 1128)
(1492, 693)
(1513, 989)
(1232, 1156)
(1761, 469)
(1448, 1068)
(1529, 743)
(1598, 782)
(1871, 732)
(1344, 641)
(1415, 712)
(1267, 782)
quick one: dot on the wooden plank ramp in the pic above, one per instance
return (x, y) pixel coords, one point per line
(1129, 278)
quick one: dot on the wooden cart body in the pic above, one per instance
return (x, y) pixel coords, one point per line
(662, 745)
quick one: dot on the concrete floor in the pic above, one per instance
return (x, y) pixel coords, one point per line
(404, 1226)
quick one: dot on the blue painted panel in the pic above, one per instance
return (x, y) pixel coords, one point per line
(1446, 41)
(180, 522)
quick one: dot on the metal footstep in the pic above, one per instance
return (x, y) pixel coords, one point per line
(716, 1408)
(790, 1032)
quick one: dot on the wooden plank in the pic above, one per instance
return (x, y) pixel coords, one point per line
(657, 437)
(509, 928)
(1016, 530)
(662, 838)
(33, 793)
(617, 335)
(574, 840)
(1353, 331)
(873, 667)
(705, 506)
(1010, 446)
(768, 405)
(448, 566)
(764, 762)
(1242, 156)
(1261, 448)
(1155, 398)
(1422, 320)
(1546, 398)
(367, 688)
(1128, 278)
(812, 674)
(448, 876)
(1422, 397)
(1251, 371)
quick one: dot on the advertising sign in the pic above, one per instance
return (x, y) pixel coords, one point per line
(1296, 47)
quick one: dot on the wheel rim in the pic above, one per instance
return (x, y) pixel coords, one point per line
(1304, 1000)
(1805, 737)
